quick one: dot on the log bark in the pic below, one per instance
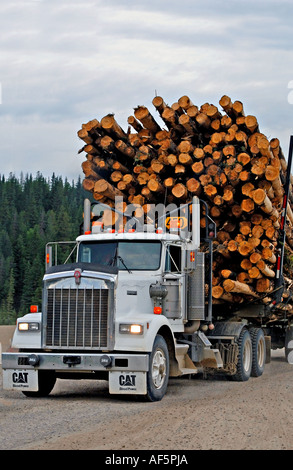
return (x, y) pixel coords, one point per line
(104, 188)
(237, 287)
(109, 124)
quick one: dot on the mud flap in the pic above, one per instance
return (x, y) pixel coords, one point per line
(127, 382)
(23, 380)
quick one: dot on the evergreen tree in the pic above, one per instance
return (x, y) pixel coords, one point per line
(33, 211)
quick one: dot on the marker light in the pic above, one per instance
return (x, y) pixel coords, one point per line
(157, 310)
(34, 309)
(175, 223)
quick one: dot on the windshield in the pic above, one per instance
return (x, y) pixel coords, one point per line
(131, 256)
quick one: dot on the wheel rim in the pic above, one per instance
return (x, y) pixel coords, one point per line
(247, 356)
(261, 352)
(159, 368)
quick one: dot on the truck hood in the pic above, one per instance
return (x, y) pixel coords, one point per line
(83, 267)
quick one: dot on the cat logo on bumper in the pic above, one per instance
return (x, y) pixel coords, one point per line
(127, 382)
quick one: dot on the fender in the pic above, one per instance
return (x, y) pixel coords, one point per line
(152, 324)
(28, 339)
(227, 328)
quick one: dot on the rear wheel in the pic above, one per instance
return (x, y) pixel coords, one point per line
(158, 373)
(258, 351)
(47, 380)
(289, 344)
(244, 362)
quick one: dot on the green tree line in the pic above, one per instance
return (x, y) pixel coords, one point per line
(33, 212)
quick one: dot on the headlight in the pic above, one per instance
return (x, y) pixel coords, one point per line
(131, 328)
(28, 326)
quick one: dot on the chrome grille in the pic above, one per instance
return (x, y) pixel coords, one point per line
(77, 318)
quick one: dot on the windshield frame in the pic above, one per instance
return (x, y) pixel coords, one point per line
(122, 264)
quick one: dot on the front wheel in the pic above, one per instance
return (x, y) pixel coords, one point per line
(244, 361)
(158, 373)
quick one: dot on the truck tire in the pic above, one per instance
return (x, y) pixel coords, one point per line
(258, 351)
(244, 361)
(289, 344)
(47, 380)
(158, 373)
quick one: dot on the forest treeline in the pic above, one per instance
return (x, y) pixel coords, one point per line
(33, 211)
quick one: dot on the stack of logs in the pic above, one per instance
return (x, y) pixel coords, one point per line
(217, 154)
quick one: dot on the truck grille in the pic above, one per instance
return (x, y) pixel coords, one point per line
(77, 318)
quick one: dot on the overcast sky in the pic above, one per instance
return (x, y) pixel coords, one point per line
(64, 62)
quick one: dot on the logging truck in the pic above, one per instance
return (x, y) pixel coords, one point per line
(135, 308)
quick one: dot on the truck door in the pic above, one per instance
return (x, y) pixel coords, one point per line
(174, 281)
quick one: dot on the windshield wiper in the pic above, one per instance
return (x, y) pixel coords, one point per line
(122, 261)
(113, 260)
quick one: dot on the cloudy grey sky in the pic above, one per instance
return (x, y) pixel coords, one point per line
(64, 62)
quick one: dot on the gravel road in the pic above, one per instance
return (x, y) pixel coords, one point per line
(195, 414)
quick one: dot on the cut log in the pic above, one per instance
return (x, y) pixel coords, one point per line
(226, 104)
(264, 268)
(134, 123)
(179, 191)
(84, 135)
(143, 115)
(104, 188)
(125, 149)
(217, 292)
(235, 286)
(88, 184)
(251, 123)
(110, 125)
(90, 170)
(198, 168)
(247, 205)
(155, 186)
(159, 104)
(263, 285)
(188, 123)
(185, 102)
(237, 108)
(193, 186)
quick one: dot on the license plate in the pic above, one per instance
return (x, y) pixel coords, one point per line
(127, 382)
(18, 379)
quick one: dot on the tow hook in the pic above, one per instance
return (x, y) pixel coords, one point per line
(71, 360)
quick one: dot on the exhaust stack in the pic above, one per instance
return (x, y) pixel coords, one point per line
(86, 217)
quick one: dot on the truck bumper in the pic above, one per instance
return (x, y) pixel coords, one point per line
(126, 372)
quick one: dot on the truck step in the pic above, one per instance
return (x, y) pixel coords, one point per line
(185, 364)
(181, 349)
(218, 358)
(186, 371)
